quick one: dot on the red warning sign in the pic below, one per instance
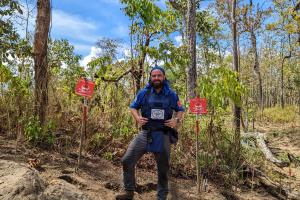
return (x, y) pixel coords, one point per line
(84, 88)
(198, 106)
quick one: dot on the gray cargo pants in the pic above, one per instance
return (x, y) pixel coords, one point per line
(136, 149)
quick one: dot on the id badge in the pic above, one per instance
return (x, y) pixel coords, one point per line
(158, 114)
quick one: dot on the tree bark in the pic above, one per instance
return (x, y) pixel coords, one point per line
(237, 108)
(257, 69)
(140, 72)
(191, 71)
(40, 59)
(282, 81)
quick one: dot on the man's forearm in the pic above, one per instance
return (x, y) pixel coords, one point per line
(134, 113)
(179, 115)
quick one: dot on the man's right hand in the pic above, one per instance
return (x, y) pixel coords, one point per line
(142, 120)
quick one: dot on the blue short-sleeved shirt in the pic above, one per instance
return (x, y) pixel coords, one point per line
(138, 102)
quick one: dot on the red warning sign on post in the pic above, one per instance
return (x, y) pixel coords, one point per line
(198, 106)
(84, 88)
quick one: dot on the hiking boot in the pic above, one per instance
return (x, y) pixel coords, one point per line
(125, 195)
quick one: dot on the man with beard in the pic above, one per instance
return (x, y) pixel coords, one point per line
(157, 102)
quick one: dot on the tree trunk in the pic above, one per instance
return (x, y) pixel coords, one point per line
(282, 80)
(192, 72)
(282, 65)
(40, 59)
(237, 108)
(281, 85)
(257, 70)
(140, 72)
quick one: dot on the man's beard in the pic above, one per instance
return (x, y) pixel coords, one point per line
(156, 84)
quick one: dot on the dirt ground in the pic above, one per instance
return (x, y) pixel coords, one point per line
(98, 178)
(284, 141)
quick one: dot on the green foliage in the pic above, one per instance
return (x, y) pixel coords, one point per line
(20, 86)
(219, 85)
(125, 127)
(148, 17)
(16, 85)
(97, 140)
(215, 139)
(149, 22)
(109, 118)
(100, 65)
(206, 160)
(283, 156)
(252, 154)
(37, 135)
(175, 59)
(8, 7)
(207, 25)
(64, 69)
(60, 53)
(106, 65)
(108, 47)
(108, 156)
(5, 74)
(33, 131)
(8, 35)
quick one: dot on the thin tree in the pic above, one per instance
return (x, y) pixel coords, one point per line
(252, 22)
(191, 71)
(237, 108)
(282, 101)
(40, 59)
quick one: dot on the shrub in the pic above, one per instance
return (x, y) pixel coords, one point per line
(38, 135)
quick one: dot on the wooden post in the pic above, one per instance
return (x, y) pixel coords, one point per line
(83, 129)
(290, 178)
(197, 154)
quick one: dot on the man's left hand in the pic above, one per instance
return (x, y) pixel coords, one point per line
(171, 123)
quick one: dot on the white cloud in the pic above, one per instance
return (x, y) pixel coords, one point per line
(127, 53)
(93, 54)
(70, 22)
(178, 39)
(73, 26)
(64, 25)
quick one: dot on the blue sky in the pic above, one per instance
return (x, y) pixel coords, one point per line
(84, 22)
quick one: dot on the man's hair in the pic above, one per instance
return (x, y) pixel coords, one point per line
(156, 67)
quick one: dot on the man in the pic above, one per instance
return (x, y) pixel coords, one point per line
(157, 102)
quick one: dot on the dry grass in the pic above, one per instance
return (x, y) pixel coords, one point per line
(278, 115)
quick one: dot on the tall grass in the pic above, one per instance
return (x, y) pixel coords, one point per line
(278, 115)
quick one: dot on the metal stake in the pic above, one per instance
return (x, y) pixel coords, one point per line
(83, 129)
(197, 153)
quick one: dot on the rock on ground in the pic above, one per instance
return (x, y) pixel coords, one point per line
(19, 182)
